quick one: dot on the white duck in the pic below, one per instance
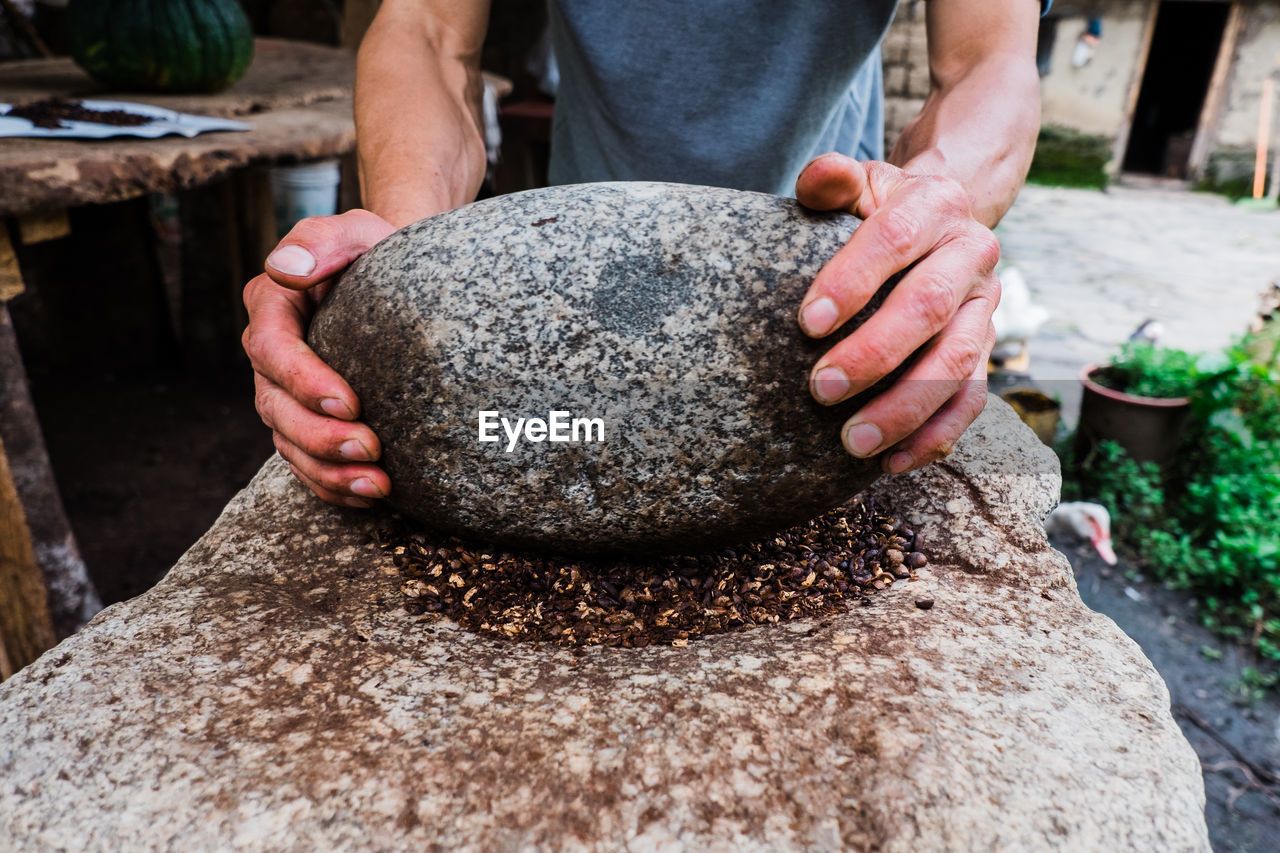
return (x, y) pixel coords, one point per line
(1085, 521)
(1016, 318)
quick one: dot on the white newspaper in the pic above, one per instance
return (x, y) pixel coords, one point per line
(163, 122)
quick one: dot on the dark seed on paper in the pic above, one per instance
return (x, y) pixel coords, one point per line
(52, 112)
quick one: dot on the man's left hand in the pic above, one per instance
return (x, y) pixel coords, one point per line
(942, 307)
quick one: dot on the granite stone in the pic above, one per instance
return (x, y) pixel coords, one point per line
(667, 311)
(271, 693)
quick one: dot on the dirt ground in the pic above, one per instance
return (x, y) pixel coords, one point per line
(145, 461)
(1236, 735)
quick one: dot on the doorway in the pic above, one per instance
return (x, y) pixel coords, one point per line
(1184, 50)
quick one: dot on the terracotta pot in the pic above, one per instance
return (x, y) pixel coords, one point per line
(1150, 429)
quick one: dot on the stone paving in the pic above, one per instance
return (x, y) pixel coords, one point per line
(1104, 262)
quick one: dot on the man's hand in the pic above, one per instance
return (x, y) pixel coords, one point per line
(943, 304)
(311, 410)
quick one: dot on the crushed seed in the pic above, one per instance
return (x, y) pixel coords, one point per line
(52, 112)
(814, 569)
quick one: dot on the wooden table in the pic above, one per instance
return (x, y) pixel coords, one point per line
(298, 97)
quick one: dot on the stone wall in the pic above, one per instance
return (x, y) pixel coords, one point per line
(1092, 99)
(1257, 55)
(906, 69)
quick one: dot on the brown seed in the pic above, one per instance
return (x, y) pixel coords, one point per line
(414, 588)
(916, 560)
(924, 603)
(816, 569)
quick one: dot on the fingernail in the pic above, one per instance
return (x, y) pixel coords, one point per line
(365, 487)
(862, 439)
(354, 450)
(335, 408)
(830, 384)
(292, 260)
(819, 316)
(359, 503)
(900, 461)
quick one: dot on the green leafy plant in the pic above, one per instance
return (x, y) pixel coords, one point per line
(1145, 370)
(1253, 685)
(1208, 522)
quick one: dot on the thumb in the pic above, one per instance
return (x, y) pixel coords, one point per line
(837, 182)
(320, 247)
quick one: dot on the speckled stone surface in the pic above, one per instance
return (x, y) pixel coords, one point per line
(271, 694)
(666, 310)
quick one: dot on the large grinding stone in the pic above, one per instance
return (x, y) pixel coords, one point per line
(668, 311)
(271, 693)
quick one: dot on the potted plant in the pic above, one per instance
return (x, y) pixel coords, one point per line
(1140, 400)
(1208, 520)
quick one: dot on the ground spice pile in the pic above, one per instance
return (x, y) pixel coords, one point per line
(814, 569)
(52, 112)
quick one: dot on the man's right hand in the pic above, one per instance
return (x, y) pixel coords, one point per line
(311, 410)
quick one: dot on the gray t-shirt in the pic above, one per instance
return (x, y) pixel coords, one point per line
(731, 93)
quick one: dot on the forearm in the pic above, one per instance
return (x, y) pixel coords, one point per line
(418, 122)
(979, 123)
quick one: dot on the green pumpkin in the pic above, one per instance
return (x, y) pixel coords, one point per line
(161, 45)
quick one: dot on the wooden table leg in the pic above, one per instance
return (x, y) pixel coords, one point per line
(36, 524)
(10, 274)
(232, 222)
(256, 211)
(25, 628)
(44, 225)
(26, 631)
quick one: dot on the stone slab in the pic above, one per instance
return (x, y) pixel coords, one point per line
(272, 694)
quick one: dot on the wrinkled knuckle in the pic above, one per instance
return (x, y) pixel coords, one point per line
(876, 357)
(331, 479)
(250, 292)
(358, 216)
(945, 193)
(986, 248)
(973, 401)
(251, 341)
(954, 193)
(898, 231)
(314, 230)
(262, 402)
(990, 289)
(960, 356)
(363, 228)
(933, 301)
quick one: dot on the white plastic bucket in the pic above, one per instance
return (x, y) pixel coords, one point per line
(301, 191)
